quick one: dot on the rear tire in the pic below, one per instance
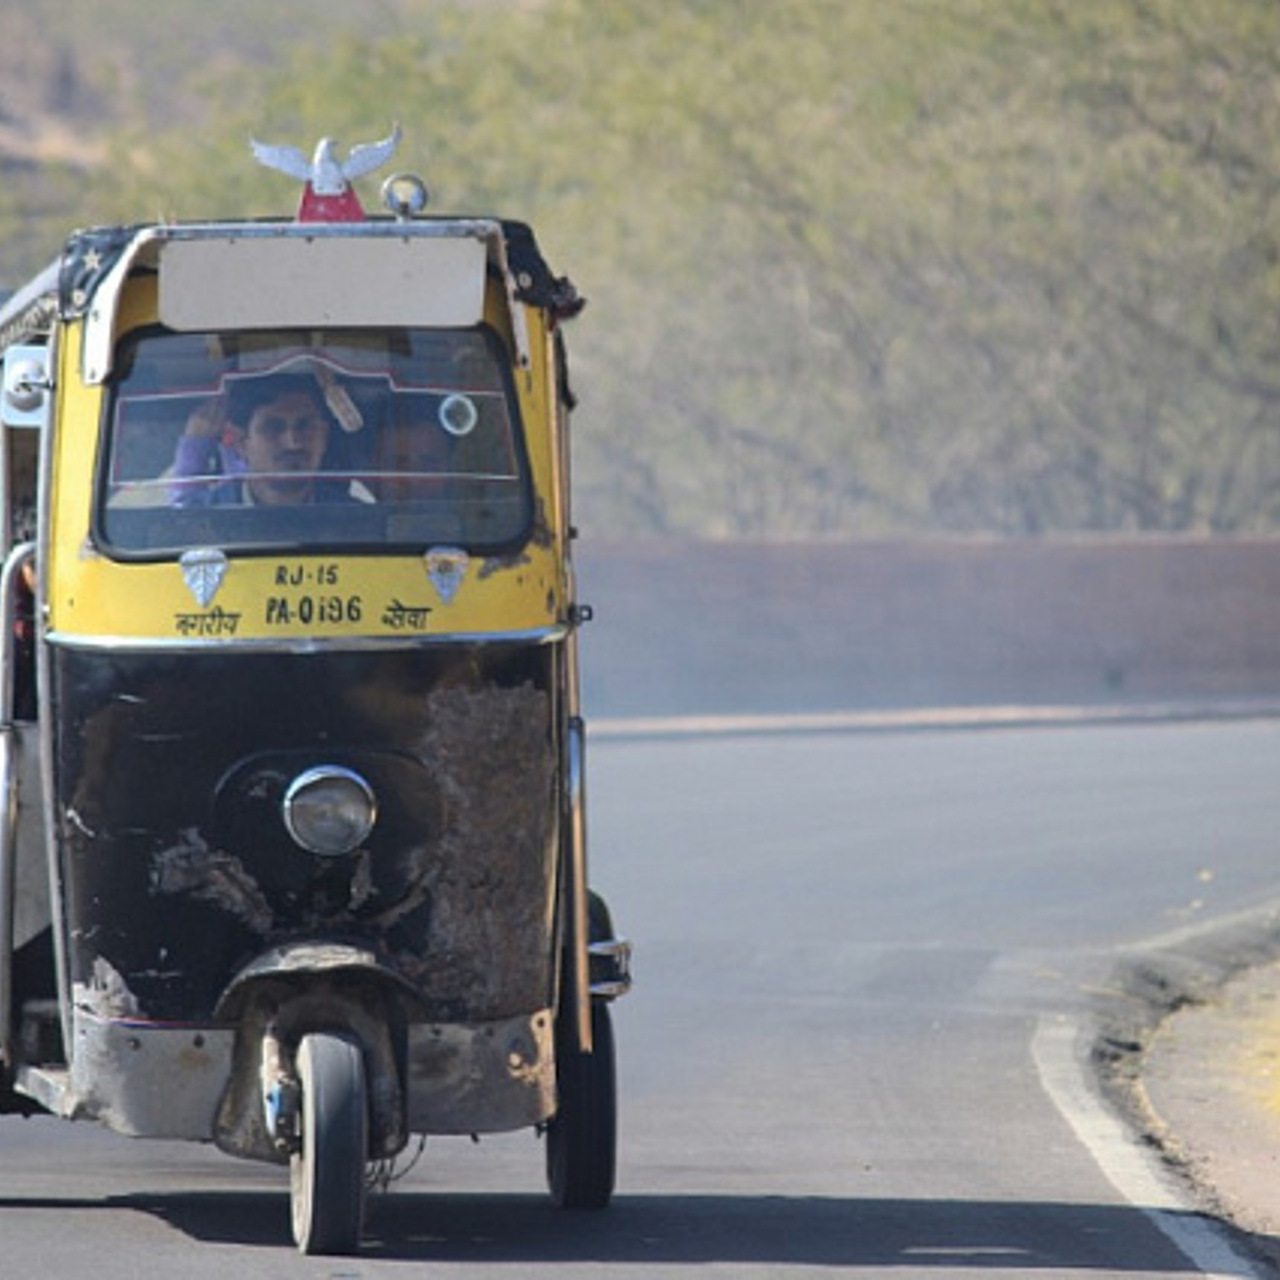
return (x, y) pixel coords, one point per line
(582, 1138)
(326, 1176)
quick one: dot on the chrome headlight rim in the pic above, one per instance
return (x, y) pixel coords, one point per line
(329, 810)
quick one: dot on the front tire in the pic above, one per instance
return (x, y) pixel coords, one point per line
(327, 1175)
(582, 1138)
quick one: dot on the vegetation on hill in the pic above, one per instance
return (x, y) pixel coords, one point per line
(938, 265)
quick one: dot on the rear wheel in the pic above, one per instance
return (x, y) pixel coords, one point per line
(326, 1176)
(582, 1139)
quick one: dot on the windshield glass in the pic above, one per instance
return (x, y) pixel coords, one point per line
(325, 439)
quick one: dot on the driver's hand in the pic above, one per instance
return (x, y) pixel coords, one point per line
(209, 420)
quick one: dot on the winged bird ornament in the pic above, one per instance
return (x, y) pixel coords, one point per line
(327, 195)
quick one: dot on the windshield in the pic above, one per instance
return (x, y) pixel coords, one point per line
(325, 439)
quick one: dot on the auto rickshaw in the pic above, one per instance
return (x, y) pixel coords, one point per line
(293, 853)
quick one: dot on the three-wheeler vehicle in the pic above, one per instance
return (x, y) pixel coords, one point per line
(292, 854)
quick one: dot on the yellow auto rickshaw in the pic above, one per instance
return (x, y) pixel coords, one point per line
(293, 855)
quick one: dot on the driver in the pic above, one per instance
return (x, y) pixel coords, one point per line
(263, 444)
(285, 440)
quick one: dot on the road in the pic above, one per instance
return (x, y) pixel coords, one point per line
(865, 964)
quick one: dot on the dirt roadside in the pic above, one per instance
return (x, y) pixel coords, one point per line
(1209, 1084)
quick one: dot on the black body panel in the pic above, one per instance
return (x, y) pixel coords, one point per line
(177, 867)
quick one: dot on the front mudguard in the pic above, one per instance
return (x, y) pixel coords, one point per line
(284, 995)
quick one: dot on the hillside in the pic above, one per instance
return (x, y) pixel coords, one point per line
(938, 266)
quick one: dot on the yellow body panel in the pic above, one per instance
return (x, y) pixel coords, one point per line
(296, 598)
(302, 597)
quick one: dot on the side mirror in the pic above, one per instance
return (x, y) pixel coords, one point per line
(24, 396)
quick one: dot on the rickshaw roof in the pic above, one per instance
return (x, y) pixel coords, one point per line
(426, 272)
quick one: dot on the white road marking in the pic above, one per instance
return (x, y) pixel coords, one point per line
(1134, 1173)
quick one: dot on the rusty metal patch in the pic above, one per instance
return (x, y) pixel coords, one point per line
(489, 876)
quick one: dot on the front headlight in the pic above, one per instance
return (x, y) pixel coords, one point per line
(329, 810)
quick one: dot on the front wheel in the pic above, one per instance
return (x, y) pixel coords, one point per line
(582, 1138)
(326, 1176)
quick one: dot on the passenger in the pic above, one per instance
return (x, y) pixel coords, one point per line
(413, 458)
(24, 635)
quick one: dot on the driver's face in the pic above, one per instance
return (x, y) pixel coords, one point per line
(287, 434)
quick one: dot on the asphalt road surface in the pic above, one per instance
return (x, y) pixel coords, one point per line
(866, 965)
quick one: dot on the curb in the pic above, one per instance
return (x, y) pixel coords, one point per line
(921, 719)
